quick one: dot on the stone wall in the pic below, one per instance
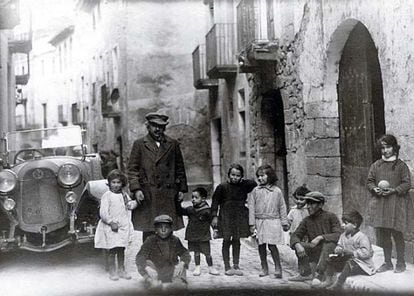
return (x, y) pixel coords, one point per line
(311, 37)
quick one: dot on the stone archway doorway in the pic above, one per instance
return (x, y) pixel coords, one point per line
(274, 129)
(361, 115)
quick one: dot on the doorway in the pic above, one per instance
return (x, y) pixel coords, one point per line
(361, 115)
(274, 117)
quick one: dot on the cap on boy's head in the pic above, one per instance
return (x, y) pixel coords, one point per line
(315, 196)
(301, 191)
(163, 219)
(354, 217)
(156, 118)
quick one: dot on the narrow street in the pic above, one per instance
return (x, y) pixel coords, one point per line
(80, 271)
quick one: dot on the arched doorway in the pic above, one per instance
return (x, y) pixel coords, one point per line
(361, 114)
(274, 130)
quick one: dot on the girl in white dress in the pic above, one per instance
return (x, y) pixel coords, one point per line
(267, 216)
(115, 227)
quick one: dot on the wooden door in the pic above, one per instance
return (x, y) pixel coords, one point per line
(361, 111)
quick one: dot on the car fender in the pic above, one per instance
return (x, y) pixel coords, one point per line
(95, 189)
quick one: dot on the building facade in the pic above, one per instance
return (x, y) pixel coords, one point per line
(308, 87)
(15, 45)
(116, 61)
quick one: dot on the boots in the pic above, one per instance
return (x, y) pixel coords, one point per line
(337, 285)
(197, 270)
(265, 269)
(212, 270)
(263, 260)
(276, 260)
(329, 280)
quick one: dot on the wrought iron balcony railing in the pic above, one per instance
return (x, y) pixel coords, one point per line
(21, 42)
(200, 78)
(255, 34)
(220, 50)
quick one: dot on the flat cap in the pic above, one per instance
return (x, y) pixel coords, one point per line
(163, 219)
(157, 118)
(315, 196)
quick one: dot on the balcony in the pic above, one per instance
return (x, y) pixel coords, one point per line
(200, 78)
(256, 43)
(220, 51)
(22, 68)
(21, 42)
(22, 79)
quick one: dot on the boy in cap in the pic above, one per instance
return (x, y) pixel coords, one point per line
(322, 228)
(156, 175)
(162, 258)
(352, 255)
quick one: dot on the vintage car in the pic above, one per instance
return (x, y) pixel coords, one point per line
(49, 190)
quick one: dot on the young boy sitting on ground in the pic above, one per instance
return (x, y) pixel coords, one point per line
(157, 260)
(352, 255)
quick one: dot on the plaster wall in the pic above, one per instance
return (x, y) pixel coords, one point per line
(7, 86)
(158, 69)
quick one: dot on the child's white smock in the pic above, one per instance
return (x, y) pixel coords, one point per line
(267, 211)
(113, 209)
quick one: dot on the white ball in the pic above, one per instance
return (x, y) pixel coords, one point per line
(383, 184)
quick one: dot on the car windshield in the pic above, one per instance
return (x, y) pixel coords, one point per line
(46, 142)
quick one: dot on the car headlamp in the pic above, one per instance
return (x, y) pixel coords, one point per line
(69, 175)
(8, 181)
(71, 197)
(9, 204)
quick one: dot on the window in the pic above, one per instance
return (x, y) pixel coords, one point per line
(75, 113)
(60, 113)
(93, 93)
(104, 100)
(242, 122)
(44, 107)
(115, 67)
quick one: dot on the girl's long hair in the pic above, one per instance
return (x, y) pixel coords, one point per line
(269, 171)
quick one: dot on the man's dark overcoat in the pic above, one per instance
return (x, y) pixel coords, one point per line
(160, 173)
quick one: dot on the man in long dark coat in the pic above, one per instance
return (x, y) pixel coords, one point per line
(156, 175)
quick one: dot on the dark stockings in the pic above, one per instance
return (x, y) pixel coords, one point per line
(235, 243)
(275, 256)
(116, 253)
(398, 237)
(197, 260)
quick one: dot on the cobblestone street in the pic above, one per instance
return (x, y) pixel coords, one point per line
(249, 264)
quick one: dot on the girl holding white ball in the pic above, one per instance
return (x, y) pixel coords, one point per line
(389, 181)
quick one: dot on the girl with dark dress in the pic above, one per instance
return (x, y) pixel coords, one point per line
(389, 181)
(231, 216)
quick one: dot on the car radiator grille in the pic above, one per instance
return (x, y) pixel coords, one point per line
(41, 202)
